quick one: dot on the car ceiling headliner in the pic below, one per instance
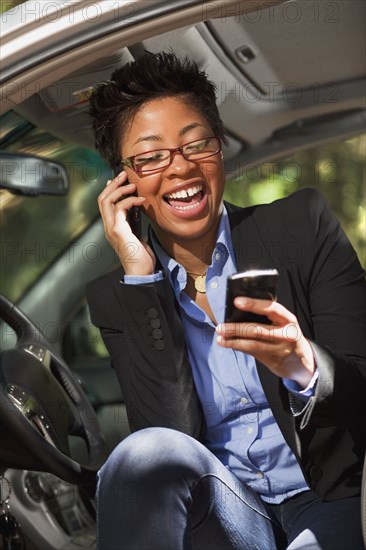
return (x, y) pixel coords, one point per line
(308, 60)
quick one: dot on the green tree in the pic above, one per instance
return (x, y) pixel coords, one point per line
(338, 170)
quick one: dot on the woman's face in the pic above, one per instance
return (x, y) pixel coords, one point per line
(169, 123)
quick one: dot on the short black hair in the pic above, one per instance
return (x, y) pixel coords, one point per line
(114, 103)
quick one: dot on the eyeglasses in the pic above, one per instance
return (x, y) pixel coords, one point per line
(157, 159)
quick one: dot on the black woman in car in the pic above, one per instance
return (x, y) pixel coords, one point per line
(243, 435)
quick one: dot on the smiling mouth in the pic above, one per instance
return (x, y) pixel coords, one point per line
(185, 199)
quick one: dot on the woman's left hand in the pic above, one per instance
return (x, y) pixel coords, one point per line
(281, 346)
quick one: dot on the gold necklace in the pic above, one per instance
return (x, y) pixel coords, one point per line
(200, 282)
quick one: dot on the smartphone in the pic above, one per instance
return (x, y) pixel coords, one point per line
(255, 283)
(134, 213)
(134, 219)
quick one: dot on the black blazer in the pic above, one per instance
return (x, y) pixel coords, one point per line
(321, 282)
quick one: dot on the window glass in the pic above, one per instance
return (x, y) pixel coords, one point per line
(82, 340)
(337, 170)
(6, 5)
(36, 230)
(11, 123)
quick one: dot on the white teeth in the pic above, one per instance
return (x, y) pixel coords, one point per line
(188, 207)
(184, 193)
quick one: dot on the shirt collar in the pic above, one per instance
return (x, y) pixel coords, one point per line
(176, 272)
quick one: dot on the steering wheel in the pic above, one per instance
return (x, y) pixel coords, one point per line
(41, 405)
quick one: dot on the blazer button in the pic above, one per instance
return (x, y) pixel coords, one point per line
(155, 323)
(152, 312)
(316, 473)
(157, 334)
(159, 345)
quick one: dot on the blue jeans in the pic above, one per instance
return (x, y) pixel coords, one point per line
(162, 490)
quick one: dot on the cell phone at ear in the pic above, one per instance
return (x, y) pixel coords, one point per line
(134, 220)
(134, 213)
(256, 283)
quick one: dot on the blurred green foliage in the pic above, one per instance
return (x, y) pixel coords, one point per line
(337, 170)
(35, 231)
(6, 5)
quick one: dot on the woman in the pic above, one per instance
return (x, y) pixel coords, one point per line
(245, 437)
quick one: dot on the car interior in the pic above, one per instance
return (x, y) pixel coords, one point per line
(290, 77)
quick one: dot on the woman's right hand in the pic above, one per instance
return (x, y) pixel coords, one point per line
(137, 258)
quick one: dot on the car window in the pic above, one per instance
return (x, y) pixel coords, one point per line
(82, 341)
(337, 170)
(36, 230)
(10, 4)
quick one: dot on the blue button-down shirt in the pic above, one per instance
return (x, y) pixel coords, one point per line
(241, 429)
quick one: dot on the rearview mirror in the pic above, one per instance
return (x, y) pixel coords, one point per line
(30, 175)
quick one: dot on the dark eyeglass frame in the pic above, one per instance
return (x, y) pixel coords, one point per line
(129, 161)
